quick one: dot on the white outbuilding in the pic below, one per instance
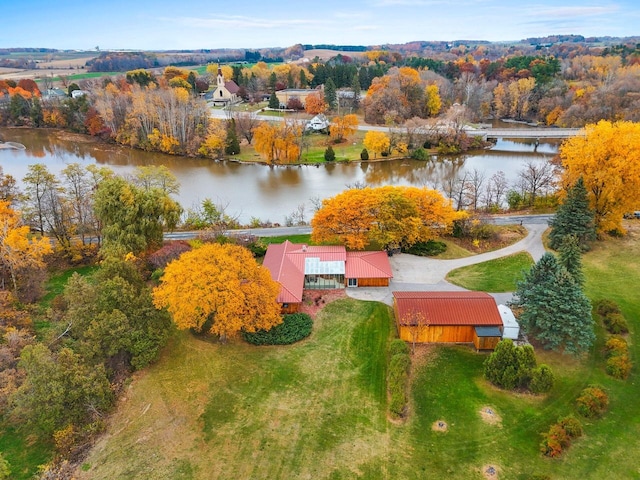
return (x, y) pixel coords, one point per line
(510, 327)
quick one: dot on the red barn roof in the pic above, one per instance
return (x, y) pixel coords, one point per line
(449, 308)
(286, 262)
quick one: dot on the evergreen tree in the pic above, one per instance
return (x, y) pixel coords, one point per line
(329, 154)
(36, 112)
(232, 145)
(273, 101)
(304, 83)
(573, 217)
(273, 79)
(330, 94)
(355, 88)
(555, 311)
(571, 258)
(290, 82)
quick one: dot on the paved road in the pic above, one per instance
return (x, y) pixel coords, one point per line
(305, 229)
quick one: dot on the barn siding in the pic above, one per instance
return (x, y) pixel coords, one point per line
(439, 334)
(485, 343)
(373, 282)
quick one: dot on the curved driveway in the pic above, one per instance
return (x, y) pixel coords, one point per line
(414, 273)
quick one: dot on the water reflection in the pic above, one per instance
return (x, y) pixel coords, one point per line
(257, 190)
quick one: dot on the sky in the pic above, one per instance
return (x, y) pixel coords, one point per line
(194, 24)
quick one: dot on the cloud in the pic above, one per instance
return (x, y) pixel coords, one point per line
(572, 12)
(239, 21)
(367, 27)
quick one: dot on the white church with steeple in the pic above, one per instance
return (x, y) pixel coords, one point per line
(226, 91)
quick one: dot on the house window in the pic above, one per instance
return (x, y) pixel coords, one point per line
(220, 92)
(352, 282)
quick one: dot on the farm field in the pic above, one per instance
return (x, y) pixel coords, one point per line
(317, 409)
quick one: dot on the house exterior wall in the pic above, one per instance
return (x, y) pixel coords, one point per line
(285, 95)
(373, 282)
(290, 307)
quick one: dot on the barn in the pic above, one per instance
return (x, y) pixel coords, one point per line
(448, 317)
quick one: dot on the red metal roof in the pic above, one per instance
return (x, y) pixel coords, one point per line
(286, 263)
(448, 308)
(231, 86)
(368, 265)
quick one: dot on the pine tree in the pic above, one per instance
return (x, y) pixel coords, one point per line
(232, 145)
(571, 258)
(273, 101)
(330, 95)
(555, 311)
(304, 83)
(573, 217)
(355, 88)
(329, 154)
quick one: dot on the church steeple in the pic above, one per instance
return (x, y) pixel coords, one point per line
(220, 77)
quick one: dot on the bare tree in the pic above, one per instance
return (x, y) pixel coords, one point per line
(535, 178)
(457, 189)
(495, 190)
(474, 188)
(418, 324)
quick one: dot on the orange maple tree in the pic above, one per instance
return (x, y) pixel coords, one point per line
(388, 217)
(278, 142)
(315, 104)
(219, 289)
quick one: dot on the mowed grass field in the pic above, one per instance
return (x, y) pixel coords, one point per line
(317, 409)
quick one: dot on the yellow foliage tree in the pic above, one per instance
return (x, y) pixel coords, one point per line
(278, 142)
(607, 157)
(343, 127)
(17, 249)
(376, 142)
(227, 71)
(219, 289)
(387, 216)
(433, 101)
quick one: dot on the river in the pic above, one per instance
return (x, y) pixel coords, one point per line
(256, 190)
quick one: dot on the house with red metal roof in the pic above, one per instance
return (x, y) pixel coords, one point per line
(297, 267)
(448, 317)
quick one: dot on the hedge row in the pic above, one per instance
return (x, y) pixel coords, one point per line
(294, 327)
(559, 436)
(427, 249)
(618, 361)
(398, 377)
(612, 317)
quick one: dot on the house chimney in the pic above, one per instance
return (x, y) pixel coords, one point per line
(304, 248)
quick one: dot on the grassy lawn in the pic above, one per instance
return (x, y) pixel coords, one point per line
(312, 410)
(302, 238)
(500, 275)
(23, 452)
(56, 283)
(317, 409)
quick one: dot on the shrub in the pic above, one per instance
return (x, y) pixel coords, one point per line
(420, 154)
(170, 251)
(329, 154)
(616, 346)
(572, 426)
(618, 366)
(542, 379)
(398, 377)
(592, 402)
(364, 154)
(258, 249)
(427, 249)
(294, 327)
(604, 307)
(615, 323)
(398, 346)
(484, 231)
(554, 441)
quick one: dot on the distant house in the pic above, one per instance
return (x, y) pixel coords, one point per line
(297, 267)
(226, 91)
(79, 93)
(318, 123)
(54, 94)
(448, 317)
